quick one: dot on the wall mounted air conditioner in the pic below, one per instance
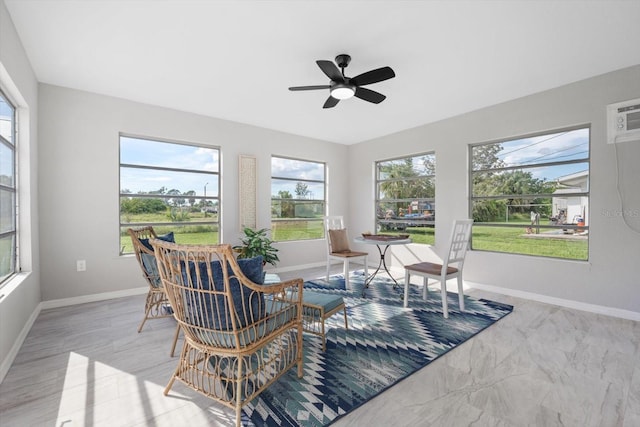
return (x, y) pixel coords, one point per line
(623, 121)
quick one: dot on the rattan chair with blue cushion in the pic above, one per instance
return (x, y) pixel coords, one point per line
(240, 335)
(156, 305)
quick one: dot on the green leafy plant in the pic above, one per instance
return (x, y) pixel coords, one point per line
(256, 242)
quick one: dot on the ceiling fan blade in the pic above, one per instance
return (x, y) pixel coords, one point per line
(373, 76)
(330, 102)
(369, 95)
(331, 70)
(294, 88)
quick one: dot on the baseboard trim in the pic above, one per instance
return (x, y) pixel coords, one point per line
(577, 305)
(297, 267)
(15, 348)
(63, 302)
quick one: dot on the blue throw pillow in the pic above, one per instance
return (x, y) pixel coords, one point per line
(166, 237)
(243, 297)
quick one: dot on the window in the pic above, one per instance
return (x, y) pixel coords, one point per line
(530, 195)
(405, 201)
(8, 194)
(171, 186)
(298, 199)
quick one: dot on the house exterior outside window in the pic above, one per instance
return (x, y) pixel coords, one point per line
(530, 195)
(172, 186)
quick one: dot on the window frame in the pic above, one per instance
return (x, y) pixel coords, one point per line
(323, 201)
(399, 225)
(531, 196)
(14, 262)
(216, 199)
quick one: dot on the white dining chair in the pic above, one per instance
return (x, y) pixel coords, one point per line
(338, 246)
(449, 269)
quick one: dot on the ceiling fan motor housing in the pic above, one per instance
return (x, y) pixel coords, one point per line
(343, 60)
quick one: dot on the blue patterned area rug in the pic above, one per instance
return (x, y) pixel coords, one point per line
(384, 344)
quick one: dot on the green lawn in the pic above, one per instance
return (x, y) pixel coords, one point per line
(425, 235)
(496, 239)
(515, 240)
(297, 230)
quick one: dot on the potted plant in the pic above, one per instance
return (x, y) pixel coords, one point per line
(256, 242)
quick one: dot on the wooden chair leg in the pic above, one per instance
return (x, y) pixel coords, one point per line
(300, 344)
(175, 341)
(346, 324)
(324, 337)
(146, 313)
(168, 387)
(238, 416)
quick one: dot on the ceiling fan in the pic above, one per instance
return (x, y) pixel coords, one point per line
(342, 87)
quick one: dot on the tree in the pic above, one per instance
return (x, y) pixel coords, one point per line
(402, 181)
(302, 190)
(486, 157)
(176, 201)
(138, 205)
(192, 198)
(284, 194)
(162, 190)
(287, 209)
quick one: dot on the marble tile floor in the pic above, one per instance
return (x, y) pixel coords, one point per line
(542, 365)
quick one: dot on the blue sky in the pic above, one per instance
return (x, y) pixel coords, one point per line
(151, 153)
(548, 148)
(539, 149)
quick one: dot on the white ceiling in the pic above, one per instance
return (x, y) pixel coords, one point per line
(235, 59)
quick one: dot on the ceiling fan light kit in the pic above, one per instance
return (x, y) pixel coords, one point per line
(343, 87)
(342, 91)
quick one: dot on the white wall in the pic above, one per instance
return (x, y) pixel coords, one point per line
(21, 296)
(611, 277)
(79, 184)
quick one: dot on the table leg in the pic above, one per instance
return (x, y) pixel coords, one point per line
(381, 264)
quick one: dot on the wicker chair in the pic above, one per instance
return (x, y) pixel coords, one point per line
(240, 336)
(157, 305)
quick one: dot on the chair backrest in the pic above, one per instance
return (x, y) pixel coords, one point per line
(334, 223)
(460, 236)
(144, 255)
(218, 302)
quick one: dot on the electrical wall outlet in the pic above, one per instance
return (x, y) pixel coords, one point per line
(81, 265)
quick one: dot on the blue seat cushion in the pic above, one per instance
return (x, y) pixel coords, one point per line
(327, 301)
(150, 266)
(281, 314)
(149, 262)
(249, 305)
(166, 237)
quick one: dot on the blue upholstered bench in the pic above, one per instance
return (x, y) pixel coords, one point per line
(316, 308)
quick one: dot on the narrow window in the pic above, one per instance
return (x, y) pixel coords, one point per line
(405, 201)
(8, 193)
(530, 195)
(298, 199)
(170, 186)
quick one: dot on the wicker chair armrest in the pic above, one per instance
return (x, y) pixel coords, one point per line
(288, 286)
